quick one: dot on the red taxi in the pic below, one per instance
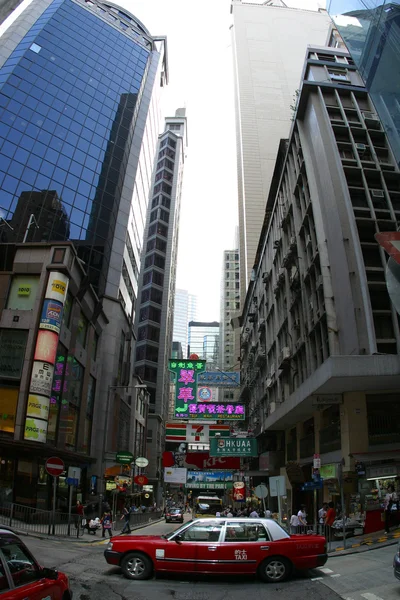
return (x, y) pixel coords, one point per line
(22, 578)
(219, 546)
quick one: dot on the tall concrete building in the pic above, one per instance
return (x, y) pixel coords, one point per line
(154, 319)
(185, 310)
(269, 42)
(229, 308)
(371, 32)
(79, 93)
(320, 337)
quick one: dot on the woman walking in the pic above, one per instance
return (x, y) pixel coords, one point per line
(126, 515)
(106, 522)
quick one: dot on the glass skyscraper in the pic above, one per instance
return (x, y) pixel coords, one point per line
(371, 31)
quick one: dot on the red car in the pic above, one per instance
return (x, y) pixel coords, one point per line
(22, 578)
(219, 546)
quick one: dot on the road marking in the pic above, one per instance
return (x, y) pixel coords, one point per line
(316, 578)
(369, 596)
(336, 575)
(326, 570)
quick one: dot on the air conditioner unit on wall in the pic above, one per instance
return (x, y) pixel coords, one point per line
(377, 193)
(361, 147)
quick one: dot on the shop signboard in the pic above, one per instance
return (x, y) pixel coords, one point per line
(219, 379)
(186, 372)
(124, 458)
(8, 411)
(213, 410)
(383, 471)
(175, 475)
(51, 316)
(35, 430)
(178, 432)
(233, 447)
(46, 346)
(200, 461)
(38, 406)
(202, 485)
(23, 290)
(42, 377)
(328, 471)
(57, 287)
(209, 477)
(239, 491)
(197, 433)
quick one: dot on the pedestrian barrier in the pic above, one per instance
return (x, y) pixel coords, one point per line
(137, 519)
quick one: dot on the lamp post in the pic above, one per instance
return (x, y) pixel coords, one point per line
(111, 388)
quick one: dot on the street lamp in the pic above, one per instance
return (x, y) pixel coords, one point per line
(139, 386)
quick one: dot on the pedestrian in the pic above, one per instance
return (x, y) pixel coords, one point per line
(388, 503)
(106, 522)
(229, 514)
(126, 515)
(321, 517)
(267, 513)
(79, 513)
(329, 520)
(254, 514)
(218, 514)
(294, 523)
(302, 517)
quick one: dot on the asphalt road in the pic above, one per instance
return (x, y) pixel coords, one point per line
(365, 576)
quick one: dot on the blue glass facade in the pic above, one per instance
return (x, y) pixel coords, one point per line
(68, 104)
(371, 31)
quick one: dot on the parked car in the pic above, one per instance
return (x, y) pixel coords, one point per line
(396, 563)
(174, 515)
(221, 546)
(22, 577)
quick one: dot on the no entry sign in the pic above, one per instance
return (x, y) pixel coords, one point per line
(54, 466)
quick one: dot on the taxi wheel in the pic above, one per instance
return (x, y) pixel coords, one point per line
(136, 566)
(274, 569)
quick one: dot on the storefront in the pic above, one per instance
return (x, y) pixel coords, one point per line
(373, 484)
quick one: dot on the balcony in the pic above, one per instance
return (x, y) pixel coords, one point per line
(383, 429)
(291, 451)
(307, 446)
(329, 438)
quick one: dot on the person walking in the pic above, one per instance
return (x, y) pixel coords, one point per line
(321, 517)
(254, 514)
(294, 523)
(126, 516)
(329, 520)
(79, 513)
(106, 522)
(387, 505)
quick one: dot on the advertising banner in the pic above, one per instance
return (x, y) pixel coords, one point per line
(37, 414)
(213, 410)
(239, 491)
(51, 316)
(57, 287)
(200, 461)
(233, 447)
(38, 406)
(8, 410)
(42, 377)
(218, 379)
(175, 475)
(209, 479)
(46, 346)
(35, 430)
(197, 433)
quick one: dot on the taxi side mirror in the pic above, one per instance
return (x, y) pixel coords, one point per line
(51, 574)
(178, 539)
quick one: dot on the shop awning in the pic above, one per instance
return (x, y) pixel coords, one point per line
(377, 455)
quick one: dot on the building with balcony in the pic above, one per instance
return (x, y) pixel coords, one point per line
(155, 314)
(320, 337)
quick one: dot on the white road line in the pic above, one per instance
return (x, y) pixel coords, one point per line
(325, 570)
(336, 575)
(369, 596)
(316, 578)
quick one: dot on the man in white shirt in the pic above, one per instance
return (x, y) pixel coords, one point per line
(254, 514)
(218, 514)
(321, 517)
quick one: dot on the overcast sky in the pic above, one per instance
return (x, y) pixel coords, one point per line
(200, 63)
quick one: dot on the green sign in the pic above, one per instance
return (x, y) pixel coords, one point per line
(186, 372)
(233, 447)
(328, 471)
(124, 458)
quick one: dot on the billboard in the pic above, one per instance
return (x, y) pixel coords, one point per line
(219, 379)
(233, 447)
(177, 432)
(38, 406)
(175, 475)
(213, 410)
(200, 461)
(209, 479)
(186, 373)
(51, 316)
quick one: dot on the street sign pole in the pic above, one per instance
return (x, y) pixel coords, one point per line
(54, 503)
(70, 508)
(279, 501)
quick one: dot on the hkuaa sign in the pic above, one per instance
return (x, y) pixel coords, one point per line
(233, 447)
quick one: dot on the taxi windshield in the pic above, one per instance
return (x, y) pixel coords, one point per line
(168, 535)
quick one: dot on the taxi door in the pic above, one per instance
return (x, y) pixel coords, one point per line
(244, 546)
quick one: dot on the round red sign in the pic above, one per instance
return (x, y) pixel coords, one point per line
(141, 480)
(54, 466)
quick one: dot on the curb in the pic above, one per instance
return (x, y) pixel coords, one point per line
(74, 540)
(366, 545)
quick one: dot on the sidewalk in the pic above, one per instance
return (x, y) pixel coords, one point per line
(87, 538)
(362, 543)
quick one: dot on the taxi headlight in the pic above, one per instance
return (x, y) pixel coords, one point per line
(109, 546)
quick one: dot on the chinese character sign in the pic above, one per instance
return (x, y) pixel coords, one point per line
(186, 372)
(212, 410)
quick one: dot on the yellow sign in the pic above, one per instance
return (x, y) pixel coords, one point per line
(24, 290)
(110, 485)
(38, 406)
(58, 286)
(8, 408)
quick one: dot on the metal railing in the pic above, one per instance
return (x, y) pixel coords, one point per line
(329, 438)
(34, 520)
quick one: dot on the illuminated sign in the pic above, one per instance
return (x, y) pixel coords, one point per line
(38, 406)
(51, 316)
(204, 394)
(225, 379)
(213, 410)
(24, 290)
(233, 447)
(46, 346)
(9, 399)
(186, 372)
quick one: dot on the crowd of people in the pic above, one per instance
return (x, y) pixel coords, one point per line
(247, 511)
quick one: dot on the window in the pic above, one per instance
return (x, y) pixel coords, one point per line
(203, 532)
(23, 291)
(245, 532)
(35, 48)
(174, 126)
(338, 75)
(12, 352)
(82, 330)
(67, 310)
(171, 143)
(20, 563)
(149, 435)
(3, 580)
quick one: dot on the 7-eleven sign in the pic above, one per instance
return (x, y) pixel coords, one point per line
(197, 433)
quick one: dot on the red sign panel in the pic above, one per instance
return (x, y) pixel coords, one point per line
(239, 491)
(141, 480)
(54, 466)
(199, 461)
